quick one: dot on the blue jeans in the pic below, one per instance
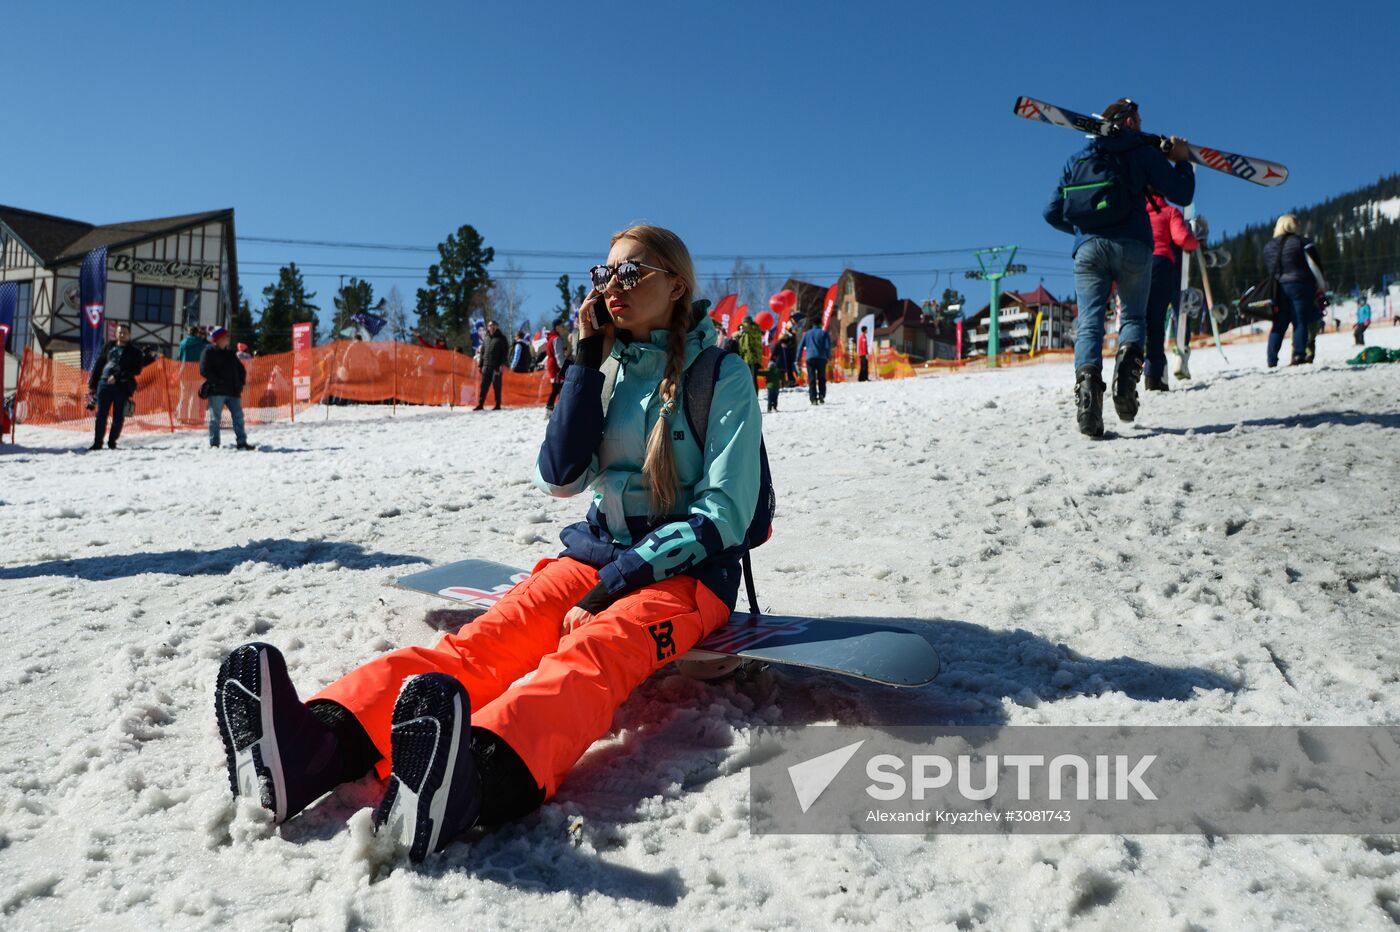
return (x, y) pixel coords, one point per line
(1098, 265)
(216, 414)
(1298, 310)
(1164, 293)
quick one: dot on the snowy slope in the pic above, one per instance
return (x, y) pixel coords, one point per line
(1233, 558)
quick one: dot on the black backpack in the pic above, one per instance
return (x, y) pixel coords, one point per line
(1094, 191)
(699, 393)
(1260, 301)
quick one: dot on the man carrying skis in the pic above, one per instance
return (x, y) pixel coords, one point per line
(1100, 201)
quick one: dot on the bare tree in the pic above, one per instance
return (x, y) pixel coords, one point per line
(509, 298)
(397, 313)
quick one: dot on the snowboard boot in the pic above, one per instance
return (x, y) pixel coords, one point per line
(278, 752)
(1088, 400)
(1154, 384)
(434, 792)
(1126, 370)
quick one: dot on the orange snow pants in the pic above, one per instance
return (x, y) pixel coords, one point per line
(579, 679)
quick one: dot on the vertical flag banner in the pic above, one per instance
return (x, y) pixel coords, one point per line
(9, 307)
(92, 291)
(829, 306)
(301, 361)
(738, 318)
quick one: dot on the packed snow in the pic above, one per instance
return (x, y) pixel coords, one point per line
(1232, 558)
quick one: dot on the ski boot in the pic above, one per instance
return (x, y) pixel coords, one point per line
(434, 792)
(1088, 399)
(1155, 384)
(1126, 370)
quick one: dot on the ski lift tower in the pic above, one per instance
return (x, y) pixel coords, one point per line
(994, 269)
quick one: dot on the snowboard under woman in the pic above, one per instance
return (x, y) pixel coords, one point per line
(653, 569)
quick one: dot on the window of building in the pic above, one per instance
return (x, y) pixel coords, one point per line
(152, 304)
(4, 247)
(191, 306)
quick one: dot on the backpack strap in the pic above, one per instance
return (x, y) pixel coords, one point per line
(700, 391)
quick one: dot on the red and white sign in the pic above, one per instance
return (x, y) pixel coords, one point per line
(301, 362)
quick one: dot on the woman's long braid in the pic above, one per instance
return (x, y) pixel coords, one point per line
(660, 462)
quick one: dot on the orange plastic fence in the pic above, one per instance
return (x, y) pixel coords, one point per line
(279, 387)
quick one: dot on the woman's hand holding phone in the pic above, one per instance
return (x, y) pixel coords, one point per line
(596, 332)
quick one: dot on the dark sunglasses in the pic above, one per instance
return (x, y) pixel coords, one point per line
(629, 274)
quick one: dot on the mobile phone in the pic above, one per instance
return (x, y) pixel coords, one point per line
(601, 314)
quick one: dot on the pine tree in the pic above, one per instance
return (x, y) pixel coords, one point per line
(457, 286)
(564, 311)
(286, 302)
(241, 327)
(357, 297)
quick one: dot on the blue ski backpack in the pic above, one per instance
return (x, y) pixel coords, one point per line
(1094, 190)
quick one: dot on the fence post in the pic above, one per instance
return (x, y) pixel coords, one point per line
(165, 378)
(396, 377)
(452, 396)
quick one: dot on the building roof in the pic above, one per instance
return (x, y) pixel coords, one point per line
(872, 289)
(56, 240)
(811, 299)
(1039, 296)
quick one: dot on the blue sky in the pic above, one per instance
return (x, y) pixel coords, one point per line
(754, 128)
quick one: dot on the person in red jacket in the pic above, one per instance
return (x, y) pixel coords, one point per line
(1171, 238)
(557, 360)
(863, 354)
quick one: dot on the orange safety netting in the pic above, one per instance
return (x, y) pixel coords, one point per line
(279, 387)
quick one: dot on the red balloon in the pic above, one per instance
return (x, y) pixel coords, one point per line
(784, 300)
(765, 320)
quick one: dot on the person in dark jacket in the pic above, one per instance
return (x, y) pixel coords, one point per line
(1118, 254)
(493, 359)
(816, 345)
(113, 381)
(224, 377)
(1286, 258)
(787, 354)
(522, 357)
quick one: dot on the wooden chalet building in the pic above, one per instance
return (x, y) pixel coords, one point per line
(162, 275)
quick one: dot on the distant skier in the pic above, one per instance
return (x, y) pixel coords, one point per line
(1286, 257)
(557, 359)
(1171, 239)
(1363, 320)
(1100, 200)
(463, 736)
(863, 355)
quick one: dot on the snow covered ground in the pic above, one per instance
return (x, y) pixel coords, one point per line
(1234, 557)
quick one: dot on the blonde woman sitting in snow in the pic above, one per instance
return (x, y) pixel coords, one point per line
(653, 568)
